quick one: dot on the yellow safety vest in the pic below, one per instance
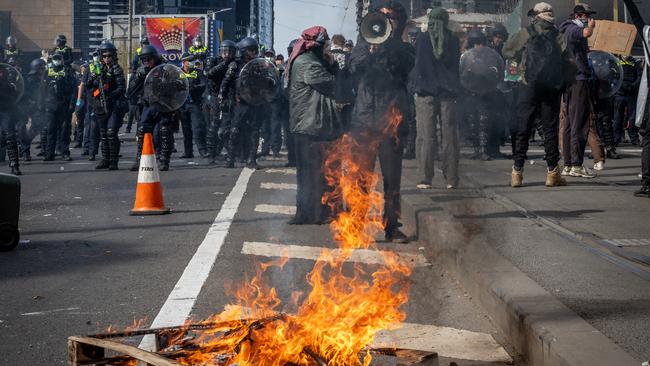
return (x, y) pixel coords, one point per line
(55, 74)
(195, 50)
(137, 52)
(191, 75)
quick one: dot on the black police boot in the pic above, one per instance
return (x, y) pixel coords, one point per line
(103, 164)
(396, 236)
(166, 147)
(644, 191)
(140, 138)
(12, 152)
(113, 149)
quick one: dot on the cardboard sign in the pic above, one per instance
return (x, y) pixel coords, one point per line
(613, 37)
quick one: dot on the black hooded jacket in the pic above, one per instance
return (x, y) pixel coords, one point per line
(436, 77)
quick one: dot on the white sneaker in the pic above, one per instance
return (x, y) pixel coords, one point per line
(424, 186)
(451, 186)
(582, 172)
(600, 165)
(566, 171)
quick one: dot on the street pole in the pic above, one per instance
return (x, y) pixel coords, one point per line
(130, 39)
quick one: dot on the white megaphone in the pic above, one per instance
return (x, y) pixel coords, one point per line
(376, 28)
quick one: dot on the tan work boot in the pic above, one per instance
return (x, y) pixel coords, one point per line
(516, 178)
(554, 178)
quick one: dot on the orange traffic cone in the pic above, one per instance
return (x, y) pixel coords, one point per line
(148, 193)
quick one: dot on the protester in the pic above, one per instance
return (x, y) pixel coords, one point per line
(578, 94)
(344, 90)
(314, 122)
(545, 75)
(382, 73)
(437, 86)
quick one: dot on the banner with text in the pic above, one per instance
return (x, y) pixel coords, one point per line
(172, 35)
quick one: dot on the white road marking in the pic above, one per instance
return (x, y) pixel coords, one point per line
(629, 242)
(285, 171)
(446, 341)
(49, 311)
(283, 186)
(276, 209)
(181, 300)
(366, 256)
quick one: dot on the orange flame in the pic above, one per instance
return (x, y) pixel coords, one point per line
(341, 314)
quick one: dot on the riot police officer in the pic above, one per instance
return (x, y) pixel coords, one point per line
(9, 94)
(33, 104)
(107, 85)
(134, 108)
(60, 94)
(61, 47)
(220, 110)
(198, 50)
(12, 51)
(151, 116)
(192, 121)
(245, 123)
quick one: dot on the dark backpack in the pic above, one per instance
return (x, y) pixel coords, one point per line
(543, 61)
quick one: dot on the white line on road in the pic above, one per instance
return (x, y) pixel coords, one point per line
(285, 171)
(629, 242)
(276, 209)
(447, 342)
(181, 300)
(283, 186)
(49, 311)
(366, 256)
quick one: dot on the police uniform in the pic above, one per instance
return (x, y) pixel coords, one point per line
(107, 86)
(199, 53)
(192, 121)
(60, 94)
(219, 109)
(7, 121)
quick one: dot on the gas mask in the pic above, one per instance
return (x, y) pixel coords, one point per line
(57, 62)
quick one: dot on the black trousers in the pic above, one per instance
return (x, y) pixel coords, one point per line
(56, 116)
(604, 121)
(149, 120)
(310, 154)
(8, 126)
(530, 102)
(576, 132)
(245, 132)
(645, 152)
(389, 150)
(193, 126)
(109, 126)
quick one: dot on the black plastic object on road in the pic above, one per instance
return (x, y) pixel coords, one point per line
(9, 210)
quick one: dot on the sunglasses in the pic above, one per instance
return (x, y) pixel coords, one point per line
(108, 55)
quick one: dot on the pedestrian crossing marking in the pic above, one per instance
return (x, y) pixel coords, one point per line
(282, 186)
(629, 242)
(285, 171)
(446, 341)
(366, 256)
(276, 209)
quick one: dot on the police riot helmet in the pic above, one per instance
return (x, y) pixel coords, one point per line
(248, 44)
(108, 47)
(198, 41)
(11, 41)
(60, 41)
(57, 59)
(149, 50)
(144, 41)
(228, 49)
(498, 30)
(475, 36)
(37, 65)
(12, 61)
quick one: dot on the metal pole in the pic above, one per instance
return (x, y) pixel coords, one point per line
(183, 35)
(130, 39)
(616, 10)
(625, 12)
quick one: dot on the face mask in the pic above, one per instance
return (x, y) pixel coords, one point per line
(269, 59)
(57, 62)
(95, 59)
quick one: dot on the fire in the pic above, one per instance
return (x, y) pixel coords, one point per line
(338, 319)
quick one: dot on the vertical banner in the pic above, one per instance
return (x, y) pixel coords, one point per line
(215, 36)
(172, 35)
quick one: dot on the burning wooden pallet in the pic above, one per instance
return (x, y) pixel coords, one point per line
(174, 343)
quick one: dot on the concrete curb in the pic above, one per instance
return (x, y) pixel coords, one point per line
(538, 325)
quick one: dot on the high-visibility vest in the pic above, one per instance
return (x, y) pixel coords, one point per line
(195, 50)
(55, 74)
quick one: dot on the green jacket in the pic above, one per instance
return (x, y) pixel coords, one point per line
(515, 49)
(311, 101)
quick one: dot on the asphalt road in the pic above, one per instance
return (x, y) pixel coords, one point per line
(85, 264)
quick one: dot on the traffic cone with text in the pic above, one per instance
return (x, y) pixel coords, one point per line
(148, 193)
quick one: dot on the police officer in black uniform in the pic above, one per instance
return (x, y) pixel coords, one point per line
(245, 123)
(33, 104)
(134, 108)
(198, 50)
(107, 86)
(150, 115)
(60, 47)
(192, 122)
(8, 98)
(220, 110)
(12, 51)
(60, 96)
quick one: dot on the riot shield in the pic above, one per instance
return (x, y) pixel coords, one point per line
(12, 85)
(481, 70)
(608, 71)
(258, 82)
(166, 88)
